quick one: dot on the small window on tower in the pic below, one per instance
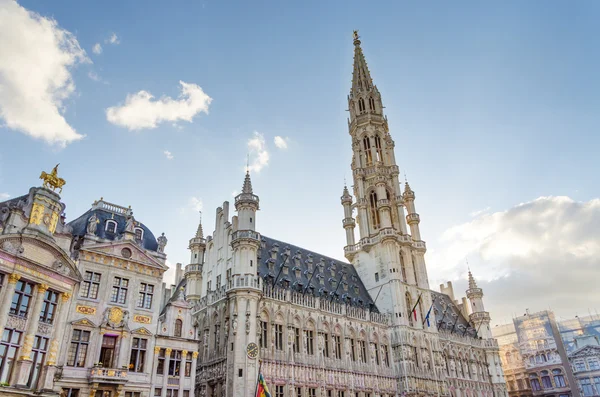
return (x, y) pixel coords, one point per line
(251, 263)
(250, 220)
(372, 103)
(376, 277)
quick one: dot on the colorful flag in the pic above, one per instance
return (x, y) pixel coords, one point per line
(414, 309)
(262, 390)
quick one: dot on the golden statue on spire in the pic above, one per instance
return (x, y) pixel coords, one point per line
(51, 180)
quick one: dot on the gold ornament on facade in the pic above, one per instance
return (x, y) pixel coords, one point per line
(184, 353)
(168, 351)
(195, 354)
(53, 222)
(115, 316)
(37, 213)
(156, 350)
(52, 181)
(42, 288)
(87, 310)
(142, 319)
(65, 296)
(13, 278)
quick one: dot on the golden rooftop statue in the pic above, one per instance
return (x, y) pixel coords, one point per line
(51, 180)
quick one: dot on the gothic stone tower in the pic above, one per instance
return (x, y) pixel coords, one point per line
(388, 259)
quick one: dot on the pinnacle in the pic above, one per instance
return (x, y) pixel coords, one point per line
(200, 232)
(247, 188)
(361, 77)
(472, 283)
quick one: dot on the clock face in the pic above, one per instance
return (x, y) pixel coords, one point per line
(252, 350)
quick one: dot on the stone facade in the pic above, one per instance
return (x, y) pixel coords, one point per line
(81, 305)
(315, 326)
(585, 361)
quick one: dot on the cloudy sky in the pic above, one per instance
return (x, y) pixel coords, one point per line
(494, 111)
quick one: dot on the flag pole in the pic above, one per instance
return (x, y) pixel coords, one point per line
(258, 377)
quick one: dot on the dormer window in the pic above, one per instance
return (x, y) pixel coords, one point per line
(139, 233)
(178, 328)
(361, 105)
(372, 103)
(111, 226)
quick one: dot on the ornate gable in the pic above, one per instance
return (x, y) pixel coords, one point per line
(141, 331)
(124, 255)
(585, 351)
(83, 322)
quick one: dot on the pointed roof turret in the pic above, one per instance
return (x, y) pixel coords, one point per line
(346, 197)
(200, 232)
(472, 283)
(247, 196)
(361, 77)
(247, 188)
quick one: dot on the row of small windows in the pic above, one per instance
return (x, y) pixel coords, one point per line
(332, 347)
(312, 392)
(91, 286)
(546, 380)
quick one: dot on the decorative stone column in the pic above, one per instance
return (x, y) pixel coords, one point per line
(24, 362)
(7, 299)
(124, 353)
(168, 351)
(46, 382)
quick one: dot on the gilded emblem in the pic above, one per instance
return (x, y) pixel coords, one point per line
(115, 316)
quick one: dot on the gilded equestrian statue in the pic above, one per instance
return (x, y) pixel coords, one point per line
(51, 180)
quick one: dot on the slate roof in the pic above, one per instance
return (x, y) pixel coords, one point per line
(443, 304)
(79, 226)
(328, 277)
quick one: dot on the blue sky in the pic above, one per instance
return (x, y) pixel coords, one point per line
(490, 106)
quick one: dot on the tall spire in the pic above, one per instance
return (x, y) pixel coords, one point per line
(361, 77)
(247, 188)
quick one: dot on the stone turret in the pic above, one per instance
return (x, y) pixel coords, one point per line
(479, 317)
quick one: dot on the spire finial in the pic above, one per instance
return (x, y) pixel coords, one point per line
(200, 232)
(356, 37)
(247, 187)
(247, 163)
(472, 283)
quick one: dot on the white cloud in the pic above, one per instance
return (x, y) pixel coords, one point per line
(35, 74)
(4, 196)
(234, 193)
(195, 204)
(168, 155)
(281, 143)
(479, 212)
(94, 76)
(97, 49)
(257, 150)
(141, 110)
(535, 255)
(113, 39)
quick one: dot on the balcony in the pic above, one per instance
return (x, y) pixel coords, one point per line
(193, 269)
(108, 375)
(245, 234)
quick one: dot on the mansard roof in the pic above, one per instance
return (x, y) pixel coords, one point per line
(104, 212)
(335, 279)
(443, 304)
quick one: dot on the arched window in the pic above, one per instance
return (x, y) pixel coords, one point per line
(408, 308)
(402, 267)
(371, 103)
(178, 328)
(414, 261)
(374, 212)
(139, 233)
(361, 105)
(367, 148)
(559, 379)
(379, 152)
(111, 226)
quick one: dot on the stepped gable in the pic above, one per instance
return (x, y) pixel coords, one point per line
(333, 278)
